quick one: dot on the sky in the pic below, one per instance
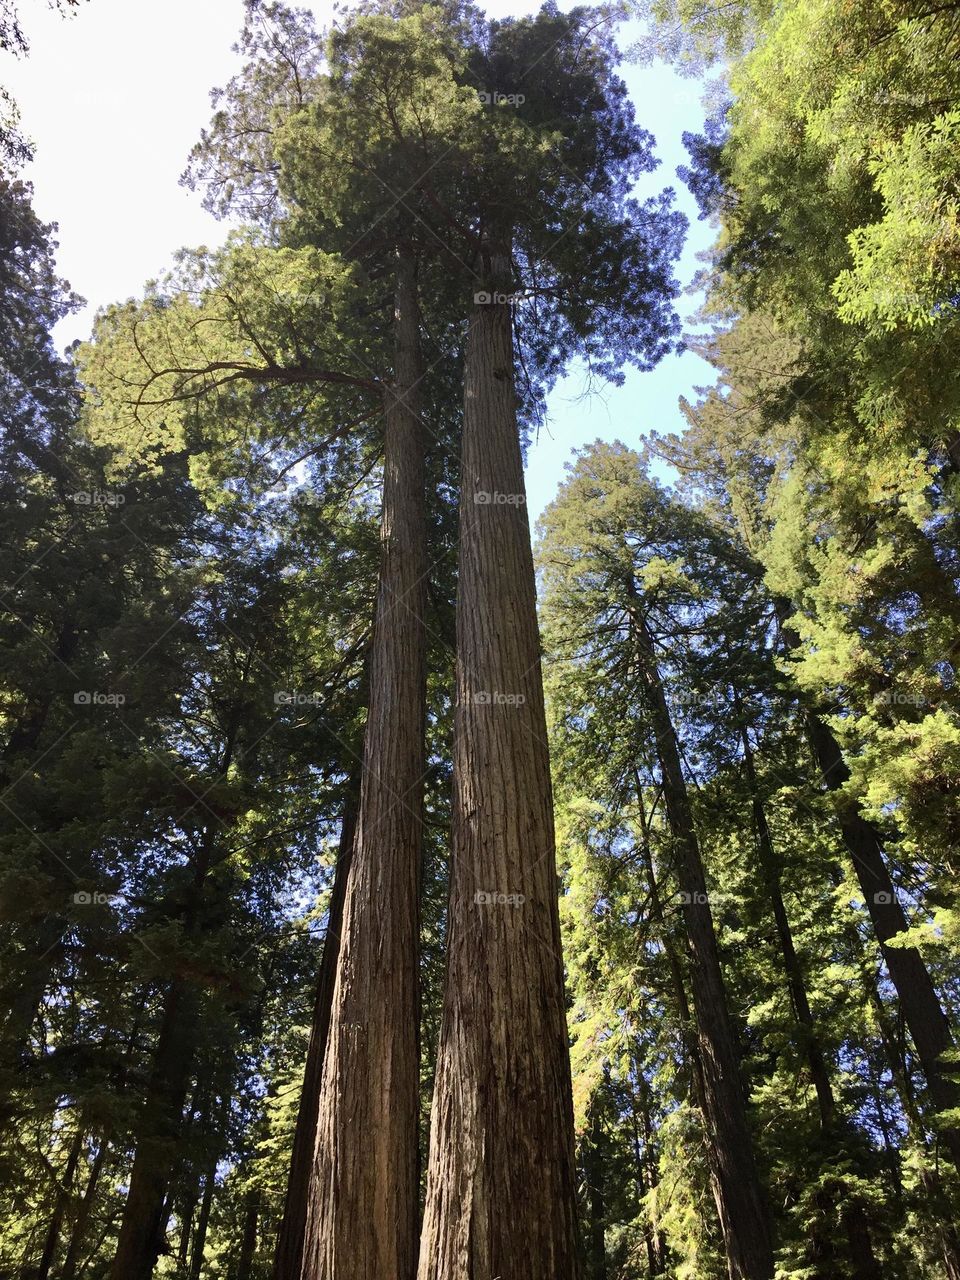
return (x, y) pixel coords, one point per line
(115, 96)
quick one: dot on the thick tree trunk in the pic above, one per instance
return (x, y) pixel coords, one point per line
(143, 1220)
(919, 1002)
(740, 1199)
(288, 1258)
(501, 1191)
(361, 1219)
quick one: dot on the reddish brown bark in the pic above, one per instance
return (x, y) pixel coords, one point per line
(288, 1258)
(361, 1218)
(501, 1185)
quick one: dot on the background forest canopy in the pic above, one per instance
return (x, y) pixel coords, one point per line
(384, 897)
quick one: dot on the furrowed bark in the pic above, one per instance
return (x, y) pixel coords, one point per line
(501, 1191)
(361, 1218)
(288, 1258)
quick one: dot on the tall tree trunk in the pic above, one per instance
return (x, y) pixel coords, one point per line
(501, 1187)
(288, 1258)
(654, 1240)
(853, 1217)
(361, 1219)
(248, 1244)
(919, 1002)
(941, 1213)
(688, 1028)
(82, 1220)
(921, 1006)
(159, 1128)
(741, 1203)
(203, 1222)
(593, 1169)
(61, 1201)
(21, 996)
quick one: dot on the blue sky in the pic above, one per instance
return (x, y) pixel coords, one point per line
(115, 97)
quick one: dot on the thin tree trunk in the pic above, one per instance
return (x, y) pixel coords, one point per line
(853, 1217)
(288, 1258)
(60, 1205)
(248, 1244)
(688, 1027)
(741, 1203)
(192, 1177)
(921, 1006)
(501, 1186)
(361, 1218)
(143, 1220)
(83, 1214)
(186, 1227)
(203, 1222)
(596, 1203)
(656, 1245)
(919, 1002)
(940, 1211)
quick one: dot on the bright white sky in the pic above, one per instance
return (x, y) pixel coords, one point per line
(115, 97)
